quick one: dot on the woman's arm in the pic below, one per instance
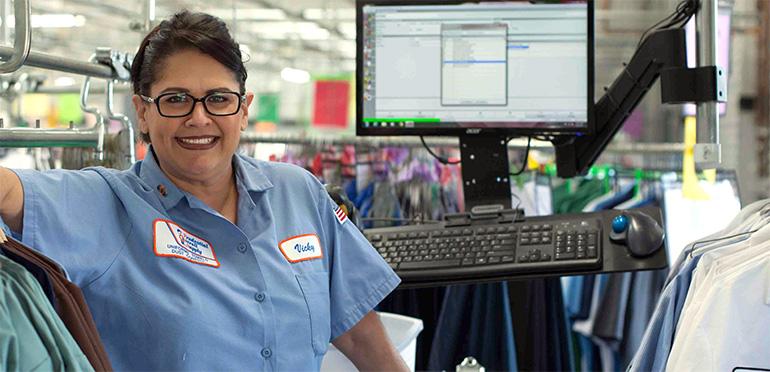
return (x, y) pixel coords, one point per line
(11, 199)
(368, 347)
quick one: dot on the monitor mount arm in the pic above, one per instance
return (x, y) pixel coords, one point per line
(662, 54)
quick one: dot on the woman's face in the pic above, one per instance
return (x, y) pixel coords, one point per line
(197, 147)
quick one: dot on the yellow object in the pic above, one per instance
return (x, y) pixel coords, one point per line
(532, 163)
(691, 189)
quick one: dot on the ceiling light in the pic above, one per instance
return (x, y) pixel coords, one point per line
(64, 81)
(284, 30)
(53, 21)
(347, 49)
(257, 14)
(348, 29)
(294, 75)
(346, 14)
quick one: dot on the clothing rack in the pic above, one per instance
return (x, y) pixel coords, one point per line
(104, 63)
(376, 142)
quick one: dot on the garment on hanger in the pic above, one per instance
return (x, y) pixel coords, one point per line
(729, 331)
(31, 334)
(671, 320)
(543, 341)
(69, 303)
(476, 321)
(599, 307)
(729, 292)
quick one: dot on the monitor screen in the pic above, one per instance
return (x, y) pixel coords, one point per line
(450, 67)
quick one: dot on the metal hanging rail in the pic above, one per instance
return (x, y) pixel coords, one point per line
(50, 62)
(105, 63)
(35, 137)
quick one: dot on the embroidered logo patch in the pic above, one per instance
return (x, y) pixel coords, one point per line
(301, 248)
(170, 240)
(341, 215)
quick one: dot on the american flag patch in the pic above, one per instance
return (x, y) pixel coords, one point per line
(341, 215)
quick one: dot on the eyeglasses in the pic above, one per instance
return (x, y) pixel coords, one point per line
(178, 104)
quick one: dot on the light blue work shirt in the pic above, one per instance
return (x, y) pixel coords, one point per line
(658, 338)
(173, 285)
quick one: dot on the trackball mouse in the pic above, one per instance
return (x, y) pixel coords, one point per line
(640, 233)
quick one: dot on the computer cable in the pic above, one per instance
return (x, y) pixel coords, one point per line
(526, 157)
(683, 13)
(441, 160)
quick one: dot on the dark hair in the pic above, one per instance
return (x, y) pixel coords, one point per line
(185, 30)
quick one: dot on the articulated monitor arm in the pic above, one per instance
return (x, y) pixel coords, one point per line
(663, 54)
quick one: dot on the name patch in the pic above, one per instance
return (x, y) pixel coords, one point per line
(170, 240)
(301, 248)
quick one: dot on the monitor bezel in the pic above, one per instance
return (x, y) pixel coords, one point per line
(470, 128)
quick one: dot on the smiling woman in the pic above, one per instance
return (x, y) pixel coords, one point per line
(260, 274)
(194, 143)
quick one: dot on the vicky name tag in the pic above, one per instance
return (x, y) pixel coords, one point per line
(301, 248)
(170, 240)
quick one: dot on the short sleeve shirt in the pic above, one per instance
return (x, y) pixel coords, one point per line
(173, 285)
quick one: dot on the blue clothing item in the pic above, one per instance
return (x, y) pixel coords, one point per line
(363, 200)
(611, 315)
(539, 322)
(173, 285)
(61, 352)
(621, 196)
(658, 339)
(36, 271)
(571, 292)
(645, 291)
(475, 321)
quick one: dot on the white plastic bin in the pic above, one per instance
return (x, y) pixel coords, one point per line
(402, 331)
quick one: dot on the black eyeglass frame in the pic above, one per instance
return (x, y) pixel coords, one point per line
(202, 100)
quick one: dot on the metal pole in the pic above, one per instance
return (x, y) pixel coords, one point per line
(99, 125)
(5, 30)
(149, 15)
(22, 37)
(707, 150)
(128, 126)
(95, 89)
(32, 137)
(50, 62)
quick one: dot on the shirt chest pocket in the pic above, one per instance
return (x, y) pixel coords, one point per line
(315, 290)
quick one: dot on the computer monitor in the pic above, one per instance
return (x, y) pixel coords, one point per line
(443, 67)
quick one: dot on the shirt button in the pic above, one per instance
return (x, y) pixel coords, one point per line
(259, 297)
(242, 248)
(266, 352)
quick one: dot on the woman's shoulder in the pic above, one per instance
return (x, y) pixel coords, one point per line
(58, 176)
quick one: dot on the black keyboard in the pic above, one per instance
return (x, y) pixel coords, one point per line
(438, 251)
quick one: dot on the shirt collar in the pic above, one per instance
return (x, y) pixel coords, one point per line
(247, 173)
(250, 174)
(150, 172)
